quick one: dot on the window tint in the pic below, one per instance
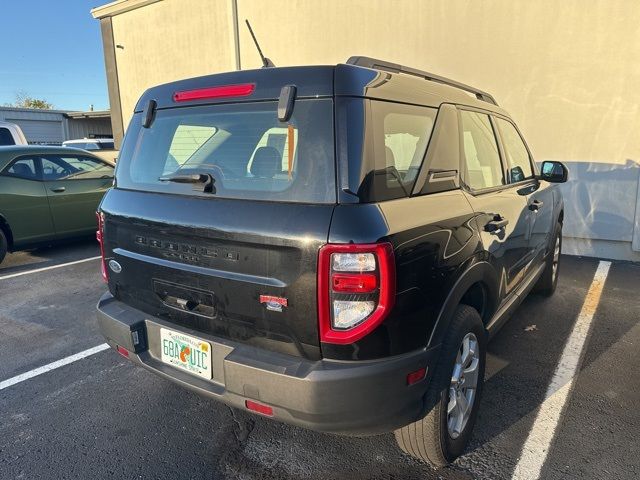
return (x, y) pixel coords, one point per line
(245, 148)
(5, 137)
(381, 146)
(406, 130)
(23, 168)
(482, 160)
(67, 167)
(517, 156)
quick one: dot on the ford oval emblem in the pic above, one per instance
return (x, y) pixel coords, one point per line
(115, 266)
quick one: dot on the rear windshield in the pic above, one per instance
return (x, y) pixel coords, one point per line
(244, 148)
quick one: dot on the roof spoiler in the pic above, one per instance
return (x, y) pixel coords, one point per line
(374, 63)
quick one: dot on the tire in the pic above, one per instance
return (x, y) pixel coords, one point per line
(548, 281)
(3, 245)
(430, 438)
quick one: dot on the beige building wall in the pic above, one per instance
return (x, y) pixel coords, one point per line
(568, 71)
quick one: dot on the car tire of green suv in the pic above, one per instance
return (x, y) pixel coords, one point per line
(3, 245)
(438, 438)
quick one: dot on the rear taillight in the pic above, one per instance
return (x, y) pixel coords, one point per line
(356, 290)
(100, 238)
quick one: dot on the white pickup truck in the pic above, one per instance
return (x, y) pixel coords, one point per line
(100, 147)
(10, 134)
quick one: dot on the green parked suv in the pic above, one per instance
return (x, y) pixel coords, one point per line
(48, 194)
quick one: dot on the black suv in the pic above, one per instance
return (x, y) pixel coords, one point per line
(328, 246)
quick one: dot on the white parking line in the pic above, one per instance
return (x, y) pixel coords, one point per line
(43, 269)
(52, 366)
(536, 448)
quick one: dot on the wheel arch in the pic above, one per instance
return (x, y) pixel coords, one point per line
(478, 287)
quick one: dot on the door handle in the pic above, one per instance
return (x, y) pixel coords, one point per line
(498, 223)
(535, 205)
(58, 189)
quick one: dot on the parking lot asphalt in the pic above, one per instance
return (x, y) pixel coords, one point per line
(101, 417)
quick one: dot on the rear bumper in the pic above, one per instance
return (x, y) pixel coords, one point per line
(358, 398)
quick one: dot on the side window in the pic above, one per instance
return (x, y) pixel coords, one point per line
(23, 168)
(483, 168)
(518, 161)
(5, 137)
(65, 167)
(402, 135)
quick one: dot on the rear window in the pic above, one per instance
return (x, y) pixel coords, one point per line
(245, 148)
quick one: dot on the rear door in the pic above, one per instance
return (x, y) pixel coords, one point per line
(23, 201)
(234, 255)
(539, 195)
(75, 185)
(501, 210)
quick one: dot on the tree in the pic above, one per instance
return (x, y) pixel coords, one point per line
(24, 100)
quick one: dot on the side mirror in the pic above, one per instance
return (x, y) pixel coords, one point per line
(554, 172)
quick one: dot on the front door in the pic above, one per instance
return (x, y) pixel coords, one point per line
(75, 185)
(500, 209)
(539, 195)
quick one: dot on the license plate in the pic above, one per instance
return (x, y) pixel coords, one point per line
(186, 352)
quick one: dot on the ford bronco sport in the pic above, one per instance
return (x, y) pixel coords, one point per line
(328, 246)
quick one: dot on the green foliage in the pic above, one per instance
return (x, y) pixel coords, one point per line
(23, 100)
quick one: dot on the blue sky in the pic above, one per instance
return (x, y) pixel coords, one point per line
(52, 49)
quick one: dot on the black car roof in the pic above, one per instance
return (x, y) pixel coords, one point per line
(317, 81)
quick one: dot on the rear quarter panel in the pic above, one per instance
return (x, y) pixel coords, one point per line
(433, 237)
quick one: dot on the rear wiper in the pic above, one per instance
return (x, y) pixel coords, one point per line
(204, 178)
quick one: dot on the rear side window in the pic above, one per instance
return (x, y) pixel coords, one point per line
(23, 168)
(65, 167)
(243, 147)
(483, 168)
(383, 148)
(517, 155)
(406, 132)
(5, 137)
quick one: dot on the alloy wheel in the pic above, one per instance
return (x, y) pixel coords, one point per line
(464, 384)
(556, 258)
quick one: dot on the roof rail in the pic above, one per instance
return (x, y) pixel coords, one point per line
(374, 63)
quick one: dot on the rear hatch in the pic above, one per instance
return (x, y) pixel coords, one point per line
(218, 214)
